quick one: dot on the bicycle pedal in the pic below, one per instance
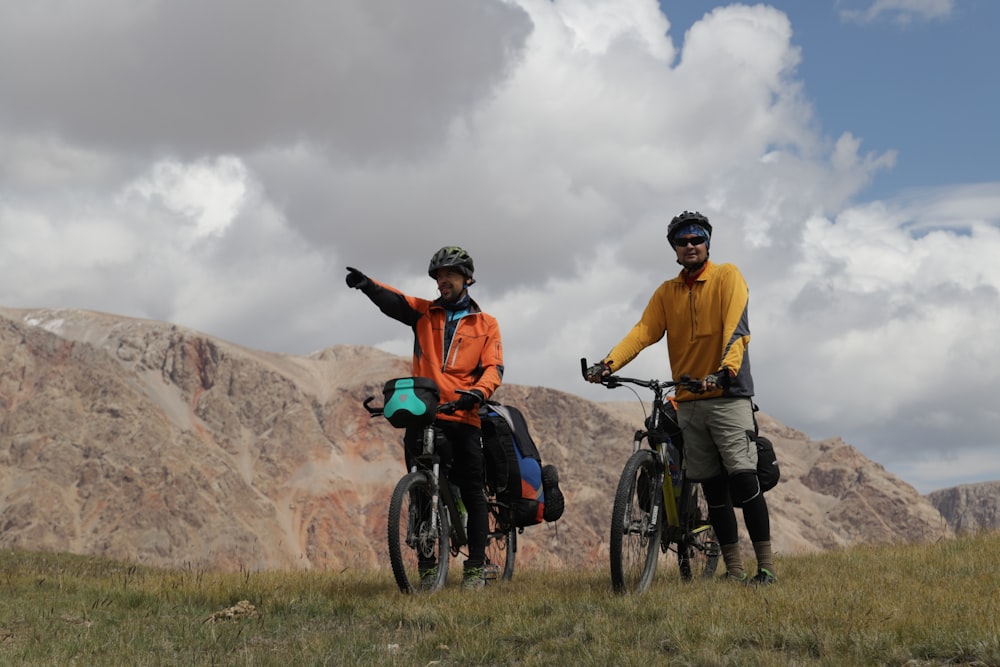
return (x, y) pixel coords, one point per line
(491, 572)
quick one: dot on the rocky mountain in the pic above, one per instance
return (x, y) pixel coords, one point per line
(146, 441)
(969, 508)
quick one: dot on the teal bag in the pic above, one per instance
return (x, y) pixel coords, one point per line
(410, 401)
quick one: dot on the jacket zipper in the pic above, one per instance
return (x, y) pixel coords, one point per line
(456, 345)
(694, 319)
(455, 342)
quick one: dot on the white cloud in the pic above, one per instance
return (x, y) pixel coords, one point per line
(33, 163)
(892, 330)
(950, 467)
(209, 194)
(900, 11)
(354, 76)
(225, 185)
(596, 26)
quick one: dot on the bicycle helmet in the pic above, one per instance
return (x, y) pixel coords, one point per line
(685, 219)
(452, 257)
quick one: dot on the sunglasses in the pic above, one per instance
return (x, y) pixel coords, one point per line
(690, 240)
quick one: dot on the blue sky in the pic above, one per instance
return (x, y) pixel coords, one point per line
(217, 165)
(919, 81)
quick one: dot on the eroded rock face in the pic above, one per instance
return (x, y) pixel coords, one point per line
(149, 442)
(969, 507)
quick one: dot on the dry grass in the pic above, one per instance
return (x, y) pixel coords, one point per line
(887, 605)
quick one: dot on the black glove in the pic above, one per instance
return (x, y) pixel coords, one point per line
(597, 371)
(469, 401)
(356, 279)
(720, 379)
(725, 378)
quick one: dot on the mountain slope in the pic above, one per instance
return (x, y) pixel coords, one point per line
(146, 441)
(969, 507)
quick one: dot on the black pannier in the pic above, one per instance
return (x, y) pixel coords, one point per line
(514, 468)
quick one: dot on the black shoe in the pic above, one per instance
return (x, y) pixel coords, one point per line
(473, 579)
(764, 577)
(428, 577)
(554, 501)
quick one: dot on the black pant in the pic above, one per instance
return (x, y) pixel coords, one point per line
(465, 470)
(718, 494)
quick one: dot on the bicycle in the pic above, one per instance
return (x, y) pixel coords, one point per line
(657, 508)
(427, 523)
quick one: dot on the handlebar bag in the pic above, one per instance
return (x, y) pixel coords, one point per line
(410, 401)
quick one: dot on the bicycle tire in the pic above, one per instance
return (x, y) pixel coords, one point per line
(501, 543)
(635, 535)
(698, 552)
(412, 538)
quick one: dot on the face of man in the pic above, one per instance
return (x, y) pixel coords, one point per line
(692, 251)
(451, 284)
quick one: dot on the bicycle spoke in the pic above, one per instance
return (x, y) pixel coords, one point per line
(415, 538)
(698, 553)
(634, 546)
(501, 543)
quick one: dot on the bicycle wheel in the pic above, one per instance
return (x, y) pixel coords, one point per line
(636, 523)
(501, 543)
(416, 546)
(698, 550)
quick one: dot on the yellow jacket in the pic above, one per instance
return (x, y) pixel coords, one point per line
(706, 326)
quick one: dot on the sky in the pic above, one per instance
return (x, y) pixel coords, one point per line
(218, 165)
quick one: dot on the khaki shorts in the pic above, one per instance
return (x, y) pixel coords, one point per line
(715, 435)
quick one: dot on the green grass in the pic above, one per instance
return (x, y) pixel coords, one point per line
(881, 605)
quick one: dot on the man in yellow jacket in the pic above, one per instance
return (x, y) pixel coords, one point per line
(703, 313)
(458, 346)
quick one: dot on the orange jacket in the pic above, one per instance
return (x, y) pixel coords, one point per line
(474, 359)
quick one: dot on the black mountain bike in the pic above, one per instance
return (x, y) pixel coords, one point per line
(427, 521)
(657, 509)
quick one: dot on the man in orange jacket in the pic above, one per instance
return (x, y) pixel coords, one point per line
(458, 346)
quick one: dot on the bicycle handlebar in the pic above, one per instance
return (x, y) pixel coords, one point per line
(443, 408)
(693, 385)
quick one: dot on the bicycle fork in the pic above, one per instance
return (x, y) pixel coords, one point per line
(673, 531)
(458, 536)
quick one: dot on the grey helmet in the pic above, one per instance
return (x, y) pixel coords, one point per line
(687, 218)
(452, 257)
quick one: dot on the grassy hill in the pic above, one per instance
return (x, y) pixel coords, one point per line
(894, 605)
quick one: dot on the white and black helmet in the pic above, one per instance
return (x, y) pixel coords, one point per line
(686, 219)
(452, 257)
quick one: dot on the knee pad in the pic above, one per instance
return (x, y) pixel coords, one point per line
(716, 491)
(743, 487)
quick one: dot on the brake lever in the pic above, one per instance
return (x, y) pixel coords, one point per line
(692, 385)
